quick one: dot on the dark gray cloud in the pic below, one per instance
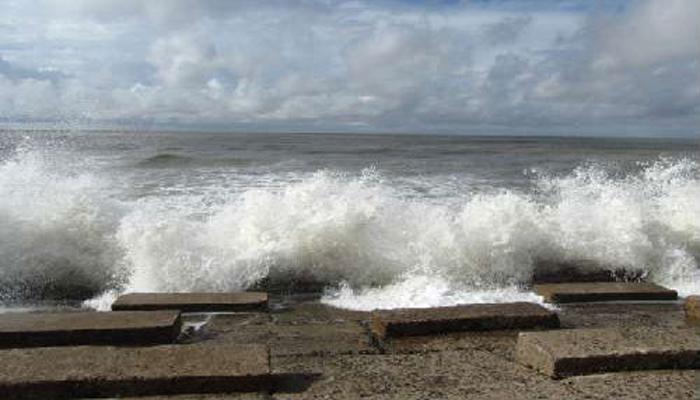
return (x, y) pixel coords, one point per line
(353, 65)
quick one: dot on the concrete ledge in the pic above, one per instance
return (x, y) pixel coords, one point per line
(603, 291)
(571, 352)
(88, 328)
(692, 307)
(580, 271)
(192, 302)
(70, 372)
(472, 317)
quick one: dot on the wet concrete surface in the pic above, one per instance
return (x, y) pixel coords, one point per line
(192, 302)
(304, 335)
(88, 328)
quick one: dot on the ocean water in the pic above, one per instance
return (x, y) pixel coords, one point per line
(380, 221)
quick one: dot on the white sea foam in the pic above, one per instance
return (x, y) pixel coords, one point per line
(382, 247)
(56, 229)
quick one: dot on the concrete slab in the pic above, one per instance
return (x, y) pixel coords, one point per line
(89, 328)
(192, 302)
(581, 271)
(471, 317)
(86, 371)
(572, 352)
(603, 291)
(692, 307)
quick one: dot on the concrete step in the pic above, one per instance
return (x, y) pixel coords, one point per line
(603, 291)
(471, 317)
(193, 302)
(86, 371)
(549, 271)
(692, 307)
(570, 352)
(88, 328)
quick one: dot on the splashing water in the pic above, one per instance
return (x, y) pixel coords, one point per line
(65, 233)
(56, 230)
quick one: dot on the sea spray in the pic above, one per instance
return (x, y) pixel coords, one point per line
(71, 227)
(56, 229)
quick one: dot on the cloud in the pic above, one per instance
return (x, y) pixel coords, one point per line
(506, 30)
(14, 72)
(353, 65)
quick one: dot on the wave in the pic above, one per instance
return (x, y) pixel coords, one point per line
(366, 235)
(170, 160)
(56, 230)
(63, 234)
(165, 160)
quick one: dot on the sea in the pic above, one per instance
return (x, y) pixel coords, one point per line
(368, 221)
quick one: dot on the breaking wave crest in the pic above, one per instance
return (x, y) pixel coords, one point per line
(64, 233)
(56, 230)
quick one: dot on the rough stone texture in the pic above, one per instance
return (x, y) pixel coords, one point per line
(475, 365)
(472, 317)
(83, 328)
(501, 343)
(69, 372)
(227, 396)
(346, 338)
(638, 385)
(291, 339)
(603, 291)
(612, 315)
(692, 307)
(433, 375)
(192, 302)
(587, 351)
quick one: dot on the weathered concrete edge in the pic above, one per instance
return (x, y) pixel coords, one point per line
(383, 329)
(70, 389)
(692, 307)
(193, 307)
(162, 334)
(561, 298)
(530, 353)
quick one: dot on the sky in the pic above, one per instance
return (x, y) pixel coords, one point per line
(613, 67)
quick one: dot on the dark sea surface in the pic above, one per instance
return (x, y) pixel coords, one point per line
(381, 220)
